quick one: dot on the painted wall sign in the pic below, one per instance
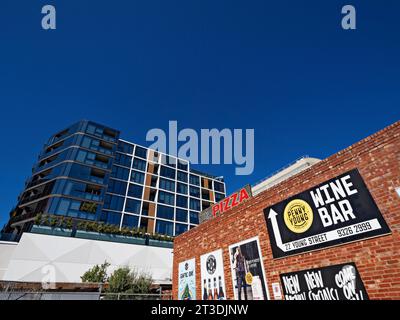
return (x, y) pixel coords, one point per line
(187, 280)
(248, 277)
(212, 276)
(339, 282)
(226, 204)
(335, 212)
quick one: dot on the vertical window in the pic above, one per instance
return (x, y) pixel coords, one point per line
(132, 206)
(167, 184)
(194, 180)
(181, 201)
(139, 164)
(130, 221)
(194, 204)
(137, 176)
(166, 197)
(194, 217)
(135, 191)
(164, 227)
(181, 215)
(182, 176)
(165, 212)
(167, 172)
(180, 228)
(181, 188)
(141, 152)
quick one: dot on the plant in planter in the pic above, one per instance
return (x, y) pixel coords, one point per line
(53, 222)
(69, 223)
(38, 219)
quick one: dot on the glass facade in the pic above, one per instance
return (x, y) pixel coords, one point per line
(87, 172)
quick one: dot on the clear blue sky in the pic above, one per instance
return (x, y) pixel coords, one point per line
(284, 68)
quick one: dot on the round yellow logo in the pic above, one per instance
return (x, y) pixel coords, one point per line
(249, 278)
(298, 216)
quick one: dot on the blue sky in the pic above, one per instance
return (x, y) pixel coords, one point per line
(284, 68)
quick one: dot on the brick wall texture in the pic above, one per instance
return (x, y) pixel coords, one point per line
(377, 158)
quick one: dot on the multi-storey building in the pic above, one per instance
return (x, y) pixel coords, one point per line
(87, 172)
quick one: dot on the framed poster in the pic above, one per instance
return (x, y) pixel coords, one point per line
(212, 276)
(248, 276)
(187, 280)
(338, 282)
(337, 211)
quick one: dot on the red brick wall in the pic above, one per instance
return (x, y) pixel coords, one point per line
(378, 260)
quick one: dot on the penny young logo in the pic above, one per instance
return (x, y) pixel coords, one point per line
(298, 216)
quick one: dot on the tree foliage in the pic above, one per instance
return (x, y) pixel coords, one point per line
(125, 280)
(96, 274)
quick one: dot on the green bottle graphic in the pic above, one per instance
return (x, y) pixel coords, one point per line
(186, 293)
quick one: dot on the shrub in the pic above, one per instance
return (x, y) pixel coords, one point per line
(125, 280)
(96, 274)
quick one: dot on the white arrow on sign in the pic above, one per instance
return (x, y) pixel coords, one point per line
(277, 235)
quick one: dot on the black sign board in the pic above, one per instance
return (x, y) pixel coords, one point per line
(339, 282)
(335, 212)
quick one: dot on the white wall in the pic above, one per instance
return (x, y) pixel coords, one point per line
(68, 258)
(6, 251)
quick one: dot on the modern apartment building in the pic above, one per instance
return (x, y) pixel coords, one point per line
(88, 173)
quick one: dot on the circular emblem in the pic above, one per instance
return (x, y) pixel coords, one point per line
(211, 264)
(249, 278)
(298, 216)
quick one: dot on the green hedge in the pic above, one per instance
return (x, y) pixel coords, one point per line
(95, 226)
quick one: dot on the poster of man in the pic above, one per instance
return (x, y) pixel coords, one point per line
(248, 276)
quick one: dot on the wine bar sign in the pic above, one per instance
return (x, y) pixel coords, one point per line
(335, 212)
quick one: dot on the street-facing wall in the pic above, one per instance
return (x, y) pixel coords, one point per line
(330, 232)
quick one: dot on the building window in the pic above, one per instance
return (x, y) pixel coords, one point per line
(137, 176)
(181, 215)
(141, 152)
(194, 204)
(120, 173)
(113, 202)
(115, 186)
(180, 228)
(135, 191)
(218, 186)
(123, 160)
(130, 221)
(168, 160)
(182, 188)
(165, 212)
(194, 217)
(181, 201)
(167, 185)
(124, 147)
(164, 227)
(182, 176)
(139, 164)
(111, 218)
(219, 196)
(167, 172)
(132, 206)
(182, 165)
(166, 197)
(194, 191)
(194, 180)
